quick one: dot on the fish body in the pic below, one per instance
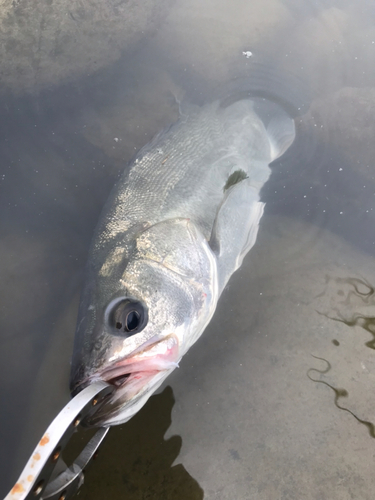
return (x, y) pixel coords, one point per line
(176, 226)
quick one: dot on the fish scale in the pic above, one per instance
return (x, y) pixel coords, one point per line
(176, 226)
(152, 188)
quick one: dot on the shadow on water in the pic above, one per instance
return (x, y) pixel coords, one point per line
(358, 293)
(135, 461)
(339, 393)
(345, 297)
(367, 323)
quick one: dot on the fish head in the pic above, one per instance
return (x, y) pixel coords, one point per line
(140, 312)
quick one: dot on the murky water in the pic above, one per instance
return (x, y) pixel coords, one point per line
(276, 400)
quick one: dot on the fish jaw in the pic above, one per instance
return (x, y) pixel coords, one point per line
(136, 378)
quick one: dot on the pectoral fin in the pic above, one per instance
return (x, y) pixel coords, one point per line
(235, 228)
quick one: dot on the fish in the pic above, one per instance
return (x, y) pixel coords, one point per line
(176, 226)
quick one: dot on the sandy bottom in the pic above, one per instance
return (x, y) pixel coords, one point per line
(252, 413)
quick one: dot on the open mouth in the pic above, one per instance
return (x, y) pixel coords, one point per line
(136, 378)
(160, 356)
(121, 379)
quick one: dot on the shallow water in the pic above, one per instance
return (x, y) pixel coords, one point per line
(276, 399)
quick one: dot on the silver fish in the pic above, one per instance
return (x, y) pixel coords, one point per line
(176, 226)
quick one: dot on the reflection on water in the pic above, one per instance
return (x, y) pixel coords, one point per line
(250, 422)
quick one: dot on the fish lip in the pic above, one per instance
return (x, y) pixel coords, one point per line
(134, 376)
(137, 360)
(104, 374)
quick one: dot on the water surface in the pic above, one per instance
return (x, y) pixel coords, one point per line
(242, 418)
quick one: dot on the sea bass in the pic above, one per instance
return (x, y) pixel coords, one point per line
(176, 226)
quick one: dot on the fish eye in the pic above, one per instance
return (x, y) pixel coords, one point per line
(127, 316)
(132, 321)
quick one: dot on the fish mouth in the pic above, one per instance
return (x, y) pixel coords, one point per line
(135, 378)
